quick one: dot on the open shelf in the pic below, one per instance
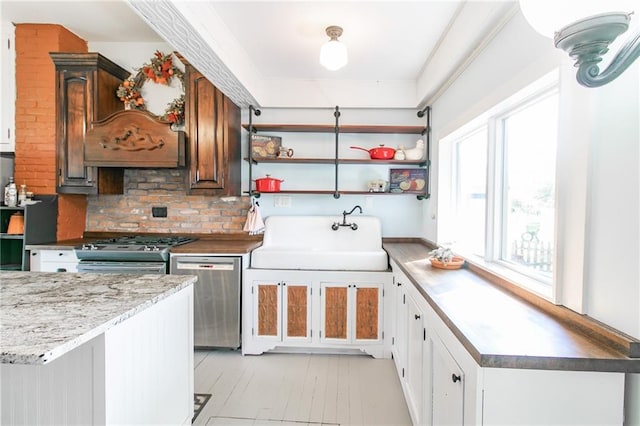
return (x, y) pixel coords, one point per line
(332, 161)
(328, 192)
(288, 160)
(347, 128)
(11, 267)
(6, 236)
(39, 226)
(335, 161)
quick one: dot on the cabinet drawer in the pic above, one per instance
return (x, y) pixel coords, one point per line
(57, 256)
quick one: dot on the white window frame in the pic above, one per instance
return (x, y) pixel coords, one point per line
(493, 119)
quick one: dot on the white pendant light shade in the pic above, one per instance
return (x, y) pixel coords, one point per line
(333, 54)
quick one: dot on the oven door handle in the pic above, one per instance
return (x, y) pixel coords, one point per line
(122, 267)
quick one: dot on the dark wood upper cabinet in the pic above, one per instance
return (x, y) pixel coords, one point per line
(86, 84)
(134, 138)
(213, 132)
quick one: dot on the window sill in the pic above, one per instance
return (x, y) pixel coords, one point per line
(509, 278)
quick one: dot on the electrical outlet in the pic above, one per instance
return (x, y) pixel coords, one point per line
(159, 211)
(281, 201)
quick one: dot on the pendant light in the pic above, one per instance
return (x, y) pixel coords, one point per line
(333, 54)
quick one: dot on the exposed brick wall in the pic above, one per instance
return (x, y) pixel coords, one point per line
(35, 160)
(186, 214)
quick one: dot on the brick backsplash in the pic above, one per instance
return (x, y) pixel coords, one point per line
(186, 214)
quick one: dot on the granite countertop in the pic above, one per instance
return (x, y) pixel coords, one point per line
(44, 315)
(502, 329)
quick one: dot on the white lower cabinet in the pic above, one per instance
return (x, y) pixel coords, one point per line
(339, 311)
(408, 346)
(414, 375)
(399, 326)
(447, 390)
(444, 385)
(60, 260)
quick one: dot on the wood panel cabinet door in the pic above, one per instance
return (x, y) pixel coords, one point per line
(282, 311)
(268, 305)
(351, 313)
(296, 312)
(367, 311)
(86, 85)
(213, 129)
(335, 312)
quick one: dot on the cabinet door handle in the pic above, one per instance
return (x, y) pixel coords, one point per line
(456, 378)
(61, 270)
(399, 283)
(60, 254)
(416, 316)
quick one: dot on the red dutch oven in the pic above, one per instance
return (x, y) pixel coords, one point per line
(268, 184)
(380, 153)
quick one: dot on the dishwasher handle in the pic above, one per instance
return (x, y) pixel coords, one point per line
(206, 264)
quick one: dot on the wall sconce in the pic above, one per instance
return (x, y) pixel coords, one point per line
(585, 33)
(333, 54)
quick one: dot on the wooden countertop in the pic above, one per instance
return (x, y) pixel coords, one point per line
(218, 246)
(502, 329)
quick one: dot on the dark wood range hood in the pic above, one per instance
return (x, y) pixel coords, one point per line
(134, 138)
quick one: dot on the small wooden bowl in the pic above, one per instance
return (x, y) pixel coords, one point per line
(455, 263)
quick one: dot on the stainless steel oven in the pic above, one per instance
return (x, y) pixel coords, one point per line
(128, 254)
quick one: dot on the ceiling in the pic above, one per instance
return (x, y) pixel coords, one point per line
(249, 47)
(385, 40)
(104, 21)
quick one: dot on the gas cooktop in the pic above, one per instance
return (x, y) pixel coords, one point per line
(131, 248)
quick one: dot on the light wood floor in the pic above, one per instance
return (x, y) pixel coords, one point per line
(298, 389)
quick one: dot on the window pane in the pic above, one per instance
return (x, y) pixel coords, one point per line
(471, 182)
(530, 137)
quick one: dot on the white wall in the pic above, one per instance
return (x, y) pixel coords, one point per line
(598, 187)
(612, 292)
(401, 215)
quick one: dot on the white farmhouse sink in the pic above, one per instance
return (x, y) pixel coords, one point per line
(309, 242)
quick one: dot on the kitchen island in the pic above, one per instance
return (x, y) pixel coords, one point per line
(96, 348)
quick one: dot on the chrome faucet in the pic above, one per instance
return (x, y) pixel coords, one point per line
(354, 226)
(344, 213)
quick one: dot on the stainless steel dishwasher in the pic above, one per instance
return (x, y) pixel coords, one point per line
(216, 298)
